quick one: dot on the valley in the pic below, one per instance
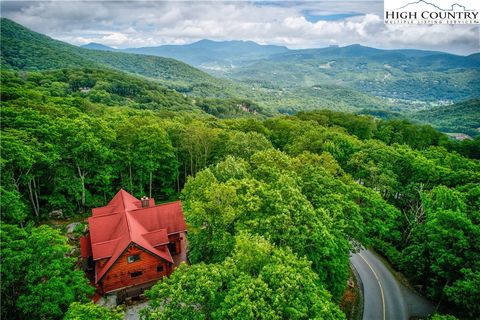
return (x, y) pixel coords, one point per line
(280, 81)
(281, 164)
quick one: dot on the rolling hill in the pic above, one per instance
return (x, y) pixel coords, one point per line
(206, 54)
(352, 78)
(405, 75)
(213, 55)
(462, 117)
(98, 46)
(23, 49)
(409, 75)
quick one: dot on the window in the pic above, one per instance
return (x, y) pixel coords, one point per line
(159, 268)
(133, 258)
(172, 246)
(136, 274)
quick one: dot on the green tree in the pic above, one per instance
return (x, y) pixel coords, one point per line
(90, 311)
(465, 293)
(38, 276)
(87, 153)
(247, 298)
(263, 286)
(13, 210)
(191, 292)
(440, 247)
(244, 145)
(271, 205)
(211, 210)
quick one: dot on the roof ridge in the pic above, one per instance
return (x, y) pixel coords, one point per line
(107, 214)
(157, 205)
(122, 194)
(130, 235)
(156, 230)
(102, 242)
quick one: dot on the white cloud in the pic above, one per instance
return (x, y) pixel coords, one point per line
(139, 23)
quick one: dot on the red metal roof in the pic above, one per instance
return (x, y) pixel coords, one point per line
(123, 221)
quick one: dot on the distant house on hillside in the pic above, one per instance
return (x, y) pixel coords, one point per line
(133, 243)
(84, 89)
(459, 136)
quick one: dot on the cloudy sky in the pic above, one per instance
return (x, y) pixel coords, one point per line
(124, 24)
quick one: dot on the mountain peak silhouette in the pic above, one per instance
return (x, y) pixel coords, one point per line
(434, 5)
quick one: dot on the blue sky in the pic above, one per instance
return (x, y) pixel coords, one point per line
(291, 23)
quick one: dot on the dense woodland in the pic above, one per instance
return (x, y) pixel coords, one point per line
(274, 203)
(258, 193)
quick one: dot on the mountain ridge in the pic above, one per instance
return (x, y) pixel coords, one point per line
(97, 46)
(23, 49)
(218, 57)
(349, 78)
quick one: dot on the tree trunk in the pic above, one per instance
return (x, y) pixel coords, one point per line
(178, 172)
(35, 194)
(178, 180)
(150, 185)
(191, 163)
(34, 206)
(130, 172)
(184, 173)
(82, 180)
(205, 149)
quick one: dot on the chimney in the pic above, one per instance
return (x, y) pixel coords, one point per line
(145, 202)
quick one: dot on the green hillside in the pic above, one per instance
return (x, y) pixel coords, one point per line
(23, 49)
(289, 82)
(396, 74)
(117, 89)
(462, 117)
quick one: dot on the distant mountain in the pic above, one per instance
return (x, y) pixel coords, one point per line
(211, 54)
(350, 78)
(396, 74)
(419, 58)
(23, 49)
(97, 46)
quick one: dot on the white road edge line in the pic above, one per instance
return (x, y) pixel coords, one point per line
(379, 284)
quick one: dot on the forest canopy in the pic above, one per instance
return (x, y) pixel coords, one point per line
(301, 187)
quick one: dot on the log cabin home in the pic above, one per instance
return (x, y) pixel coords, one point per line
(133, 243)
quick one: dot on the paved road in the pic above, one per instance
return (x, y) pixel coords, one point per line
(384, 297)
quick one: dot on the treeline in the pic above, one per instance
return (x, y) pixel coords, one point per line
(396, 130)
(257, 195)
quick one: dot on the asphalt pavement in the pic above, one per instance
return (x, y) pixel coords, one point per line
(385, 298)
